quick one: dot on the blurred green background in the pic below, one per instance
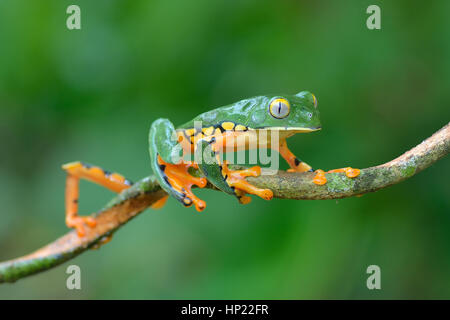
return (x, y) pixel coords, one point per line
(91, 95)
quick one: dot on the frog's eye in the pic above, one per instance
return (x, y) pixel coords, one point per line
(279, 108)
(314, 100)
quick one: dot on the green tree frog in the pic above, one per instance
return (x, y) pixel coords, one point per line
(205, 137)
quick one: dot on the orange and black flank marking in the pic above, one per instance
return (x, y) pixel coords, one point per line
(194, 134)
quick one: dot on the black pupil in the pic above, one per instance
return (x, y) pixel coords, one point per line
(279, 107)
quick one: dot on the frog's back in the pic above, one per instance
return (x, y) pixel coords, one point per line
(238, 113)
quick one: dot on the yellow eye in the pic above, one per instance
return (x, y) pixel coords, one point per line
(279, 108)
(314, 100)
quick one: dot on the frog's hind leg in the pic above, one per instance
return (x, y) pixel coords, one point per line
(171, 171)
(79, 170)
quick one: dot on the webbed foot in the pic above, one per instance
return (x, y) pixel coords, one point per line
(181, 181)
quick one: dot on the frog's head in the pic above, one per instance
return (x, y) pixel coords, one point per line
(292, 113)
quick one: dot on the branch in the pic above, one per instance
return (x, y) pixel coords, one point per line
(144, 193)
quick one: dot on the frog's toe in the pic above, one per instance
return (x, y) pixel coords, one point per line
(187, 197)
(236, 180)
(352, 172)
(244, 199)
(349, 171)
(319, 178)
(181, 181)
(241, 184)
(266, 194)
(190, 198)
(296, 170)
(79, 224)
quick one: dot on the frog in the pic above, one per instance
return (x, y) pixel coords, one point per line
(205, 138)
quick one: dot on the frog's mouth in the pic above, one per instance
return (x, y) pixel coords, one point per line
(286, 132)
(291, 129)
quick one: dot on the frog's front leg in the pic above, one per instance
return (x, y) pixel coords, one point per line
(170, 169)
(208, 156)
(295, 163)
(299, 166)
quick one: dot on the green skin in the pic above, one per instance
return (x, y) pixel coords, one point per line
(253, 113)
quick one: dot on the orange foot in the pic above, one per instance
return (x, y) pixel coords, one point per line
(236, 179)
(79, 224)
(182, 181)
(320, 178)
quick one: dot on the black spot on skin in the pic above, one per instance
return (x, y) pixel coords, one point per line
(297, 162)
(311, 170)
(162, 167)
(213, 139)
(75, 200)
(128, 182)
(222, 130)
(106, 173)
(225, 178)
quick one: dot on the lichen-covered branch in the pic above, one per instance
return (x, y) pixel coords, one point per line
(285, 185)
